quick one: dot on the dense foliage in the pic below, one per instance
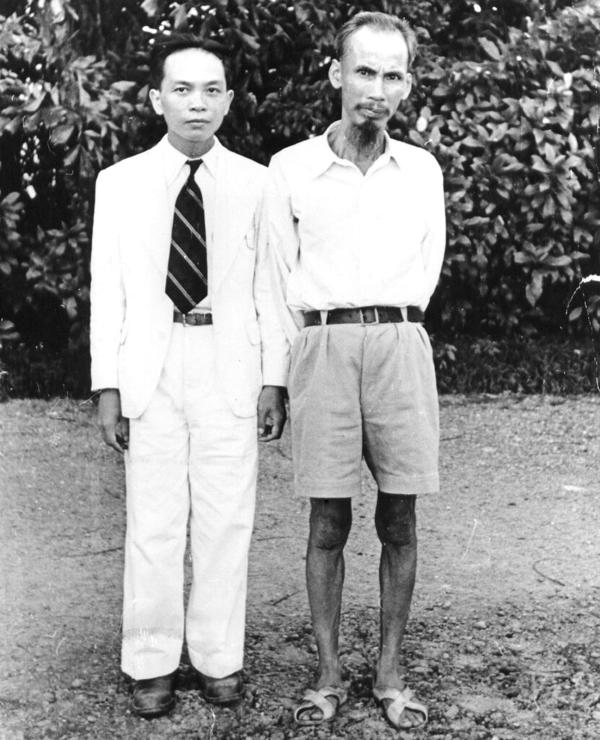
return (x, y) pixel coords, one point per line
(505, 96)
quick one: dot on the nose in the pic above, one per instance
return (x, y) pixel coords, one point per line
(376, 91)
(197, 101)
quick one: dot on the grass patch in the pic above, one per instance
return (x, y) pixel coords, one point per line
(464, 364)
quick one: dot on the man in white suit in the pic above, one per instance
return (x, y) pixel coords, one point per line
(176, 359)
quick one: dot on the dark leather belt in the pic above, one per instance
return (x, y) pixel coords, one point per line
(192, 319)
(366, 315)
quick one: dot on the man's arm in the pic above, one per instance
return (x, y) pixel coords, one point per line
(107, 299)
(435, 239)
(271, 412)
(114, 428)
(277, 251)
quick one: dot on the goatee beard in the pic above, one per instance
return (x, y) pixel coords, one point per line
(367, 134)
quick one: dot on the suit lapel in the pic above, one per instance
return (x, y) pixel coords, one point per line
(157, 221)
(147, 222)
(234, 211)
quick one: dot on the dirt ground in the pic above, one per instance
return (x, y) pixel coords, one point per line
(503, 636)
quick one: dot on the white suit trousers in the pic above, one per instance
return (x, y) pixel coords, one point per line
(189, 459)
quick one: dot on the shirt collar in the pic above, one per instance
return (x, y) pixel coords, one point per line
(174, 160)
(326, 156)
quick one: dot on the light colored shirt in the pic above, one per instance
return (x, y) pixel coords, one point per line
(342, 239)
(176, 173)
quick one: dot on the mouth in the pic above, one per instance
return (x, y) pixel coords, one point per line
(373, 111)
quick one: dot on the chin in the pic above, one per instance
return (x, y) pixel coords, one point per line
(368, 127)
(200, 138)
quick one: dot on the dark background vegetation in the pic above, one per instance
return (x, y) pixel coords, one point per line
(506, 97)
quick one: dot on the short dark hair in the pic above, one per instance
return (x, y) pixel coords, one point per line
(166, 45)
(381, 22)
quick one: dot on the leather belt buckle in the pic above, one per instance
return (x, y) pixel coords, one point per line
(364, 312)
(192, 319)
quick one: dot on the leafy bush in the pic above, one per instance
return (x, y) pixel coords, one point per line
(514, 135)
(505, 96)
(516, 365)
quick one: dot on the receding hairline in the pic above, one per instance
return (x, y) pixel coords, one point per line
(383, 32)
(378, 22)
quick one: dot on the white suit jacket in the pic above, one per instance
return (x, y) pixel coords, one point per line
(132, 317)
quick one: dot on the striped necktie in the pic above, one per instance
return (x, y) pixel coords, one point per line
(187, 272)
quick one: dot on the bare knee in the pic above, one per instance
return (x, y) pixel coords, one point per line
(330, 522)
(395, 520)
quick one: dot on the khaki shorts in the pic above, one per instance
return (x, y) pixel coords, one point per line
(364, 391)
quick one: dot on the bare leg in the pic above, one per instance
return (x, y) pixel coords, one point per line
(395, 522)
(330, 522)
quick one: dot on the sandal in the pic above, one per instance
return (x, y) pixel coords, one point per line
(320, 700)
(398, 702)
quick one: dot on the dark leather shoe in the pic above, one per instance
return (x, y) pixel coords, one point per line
(153, 697)
(227, 690)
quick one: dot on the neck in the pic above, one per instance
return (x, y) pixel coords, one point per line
(191, 149)
(358, 144)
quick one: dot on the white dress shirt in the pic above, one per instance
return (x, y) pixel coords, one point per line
(339, 238)
(176, 173)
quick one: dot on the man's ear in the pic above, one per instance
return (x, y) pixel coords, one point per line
(335, 74)
(408, 87)
(229, 95)
(154, 96)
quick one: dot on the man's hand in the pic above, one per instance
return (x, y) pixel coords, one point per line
(271, 412)
(114, 428)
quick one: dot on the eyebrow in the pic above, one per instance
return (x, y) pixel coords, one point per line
(189, 83)
(368, 68)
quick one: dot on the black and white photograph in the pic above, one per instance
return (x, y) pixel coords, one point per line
(300, 369)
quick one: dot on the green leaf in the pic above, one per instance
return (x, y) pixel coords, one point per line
(594, 115)
(123, 86)
(562, 261)
(533, 291)
(61, 134)
(555, 68)
(249, 41)
(11, 198)
(471, 143)
(490, 48)
(150, 7)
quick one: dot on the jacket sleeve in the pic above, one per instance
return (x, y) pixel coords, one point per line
(278, 249)
(107, 294)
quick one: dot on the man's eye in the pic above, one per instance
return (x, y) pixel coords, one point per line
(180, 89)
(213, 90)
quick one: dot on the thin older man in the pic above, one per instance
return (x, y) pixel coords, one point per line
(354, 234)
